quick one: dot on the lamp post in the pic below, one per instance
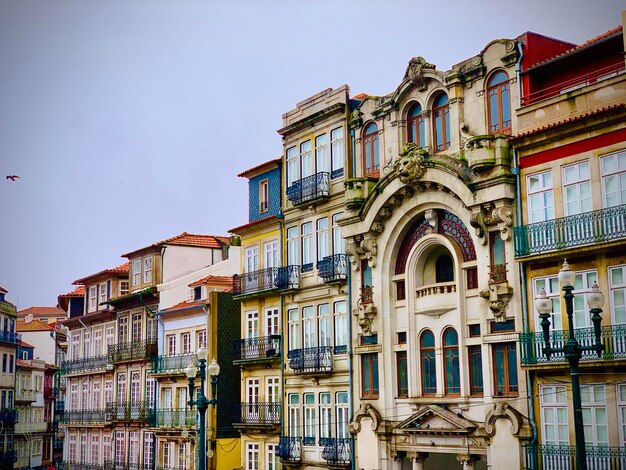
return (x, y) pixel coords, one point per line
(201, 401)
(572, 349)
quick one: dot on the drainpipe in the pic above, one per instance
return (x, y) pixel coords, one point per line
(518, 66)
(281, 223)
(350, 357)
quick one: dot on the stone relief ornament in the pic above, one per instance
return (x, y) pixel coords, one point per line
(415, 72)
(411, 163)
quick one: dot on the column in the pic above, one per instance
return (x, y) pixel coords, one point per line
(468, 460)
(417, 459)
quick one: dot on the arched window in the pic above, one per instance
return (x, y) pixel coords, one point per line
(429, 371)
(415, 125)
(441, 122)
(499, 103)
(444, 272)
(451, 362)
(371, 162)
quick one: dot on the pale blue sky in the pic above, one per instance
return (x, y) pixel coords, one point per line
(129, 120)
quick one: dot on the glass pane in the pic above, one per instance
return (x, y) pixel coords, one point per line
(617, 276)
(428, 340)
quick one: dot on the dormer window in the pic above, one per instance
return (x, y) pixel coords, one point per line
(136, 272)
(124, 287)
(102, 292)
(92, 298)
(264, 196)
(147, 269)
(197, 293)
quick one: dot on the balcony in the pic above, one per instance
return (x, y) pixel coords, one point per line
(552, 457)
(261, 350)
(168, 418)
(333, 268)
(288, 278)
(128, 411)
(172, 365)
(84, 364)
(311, 188)
(8, 417)
(23, 428)
(336, 452)
(258, 416)
(290, 450)
(436, 299)
(588, 228)
(613, 338)
(112, 465)
(9, 337)
(25, 396)
(83, 417)
(8, 458)
(69, 465)
(255, 282)
(318, 360)
(132, 351)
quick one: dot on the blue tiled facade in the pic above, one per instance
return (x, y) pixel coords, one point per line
(273, 177)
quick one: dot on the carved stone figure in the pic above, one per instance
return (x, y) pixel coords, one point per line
(411, 165)
(415, 72)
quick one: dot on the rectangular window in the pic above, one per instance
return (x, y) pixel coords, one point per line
(337, 152)
(72, 448)
(95, 449)
(309, 419)
(271, 254)
(120, 447)
(294, 329)
(505, 369)
(326, 416)
(323, 325)
(133, 447)
(339, 244)
(147, 269)
(252, 456)
(307, 247)
(201, 339)
(136, 327)
(342, 414)
(136, 272)
(272, 461)
(403, 378)
(475, 358)
(102, 292)
(108, 391)
(87, 343)
(95, 396)
(122, 329)
(293, 170)
(148, 449)
(322, 239)
(613, 168)
(341, 327)
(264, 196)
(186, 337)
(321, 154)
(252, 259)
(576, 188)
(293, 257)
(135, 392)
(182, 456)
(621, 412)
(474, 331)
(171, 345)
(294, 415)
(551, 286)
(124, 287)
(93, 302)
(106, 446)
(306, 159)
(252, 324)
(167, 454)
(617, 286)
(271, 322)
(595, 422)
(553, 400)
(540, 197)
(308, 327)
(97, 342)
(369, 375)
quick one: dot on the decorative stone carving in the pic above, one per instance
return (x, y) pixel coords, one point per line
(365, 410)
(369, 247)
(503, 410)
(411, 164)
(468, 460)
(378, 227)
(415, 72)
(489, 215)
(498, 295)
(433, 220)
(353, 250)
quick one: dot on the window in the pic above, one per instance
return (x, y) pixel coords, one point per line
(252, 259)
(271, 322)
(475, 358)
(323, 325)
(86, 343)
(124, 287)
(197, 293)
(576, 188)
(553, 400)
(341, 327)
(294, 415)
(402, 378)
(293, 171)
(451, 362)
(366, 282)
(271, 254)
(108, 391)
(10, 363)
(621, 411)
(307, 247)
(306, 159)
(499, 103)
(136, 327)
(148, 448)
(133, 447)
(120, 447)
(110, 334)
(272, 461)
(444, 271)
(441, 122)
(95, 396)
(97, 342)
(371, 159)
(95, 449)
(339, 244)
(614, 179)
(540, 197)
(272, 390)
(505, 369)
(106, 446)
(321, 154)
(123, 329)
(617, 286)
(4, 363)
(102, 292)
(342, 416)
(595, 423)
(322, 239)
(293, 257)
(252, 324)
(171, 345)
(551, 286)
(308, 327)
(336, 150)
(150, 390)
(429, 370)
(72, 448)
(83, 447)
(474, 331)
(136, 272)
(167, 454)
(326, 416)
(369, 375)
(498, 257)
(92, 299)
(147, 269)
(309, 419)
(186, 337)
(583, 282)
(201, 339)
(252, 456)
(264, 196)
(415, 126)
(294, 329)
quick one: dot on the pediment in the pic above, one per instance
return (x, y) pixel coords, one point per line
(435, 419)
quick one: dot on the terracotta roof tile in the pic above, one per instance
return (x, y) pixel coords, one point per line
(25, 344)
(181, 305)
(3, 290)
(35, 325)
(250, 224)
(78, 292)
(41, 312)
(258, 167)
(360, 96)
(121, 269)
(569, 120)
(214, 280)
(187, 239)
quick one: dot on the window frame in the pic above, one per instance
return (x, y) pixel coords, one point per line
(604, 175)
(402, 377)
(476, 389)
(503, 126)
(416, 124)
(370, 385)
(508, 389)
(371, 147)
(441, 112)
(264, 196)
(429, 391)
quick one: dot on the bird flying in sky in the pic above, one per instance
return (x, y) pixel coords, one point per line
(13, 177)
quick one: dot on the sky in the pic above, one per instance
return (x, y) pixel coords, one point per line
(128, 120)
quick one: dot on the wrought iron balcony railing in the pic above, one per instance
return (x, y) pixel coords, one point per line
(8, 417)
(83, 417)
(173, 418)
(290, 449)
(129, 411)
(333, 268)
(310, 188)
(255, 281)
(173, 364)
(132, 351)
(84, 364)
(336, 451)
(113, 465)
(70, 465)
(613, 338)
(575, 230)
(9, 337)
(254, 414)
(25, 395)
(553, 457)
(256, 349)
(311, 360)
(288, 277)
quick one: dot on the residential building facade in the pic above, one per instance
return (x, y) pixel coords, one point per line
(9, 339)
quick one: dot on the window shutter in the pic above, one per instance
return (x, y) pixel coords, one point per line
(190, 295)
(108, 293)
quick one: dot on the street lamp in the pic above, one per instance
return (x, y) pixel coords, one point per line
(201, 401)
(572, 349)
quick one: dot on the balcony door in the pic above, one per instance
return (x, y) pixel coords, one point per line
(272, 396)
(252, 398)
(121, 394)
(271, 254)
(252, 265)
(167, 407)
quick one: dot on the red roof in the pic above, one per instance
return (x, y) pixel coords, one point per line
(360, 96)
(258, 167)
(251, 224)
(181, 305)
(187, 239)
(569, 120)
(78, 292)
(41, 312)
(121, 269)
(25, 344)
(35, 325)
(3, 290)
(214, 280)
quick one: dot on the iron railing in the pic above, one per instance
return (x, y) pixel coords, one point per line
(498, 273)
(84, 364)
(9, 337)
(8, 417)
(83, 417)
(336, 451)
(311, 360)
(333, 268)
(613, 338)
(288, 277)
(132, 350)
(173, 418)
(309, 188)
(555, 457)
(70, 465)
(575, 230)
(258, 413)
(290, 449)
(128, 411)
(261, 347)
(113, 465)
(255, 281)
(173, 363)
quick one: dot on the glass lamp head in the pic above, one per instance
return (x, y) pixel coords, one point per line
(214, 368)
(203, 354)
(566, 275)
(543, 304)
(595, 299)
(191, 370)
